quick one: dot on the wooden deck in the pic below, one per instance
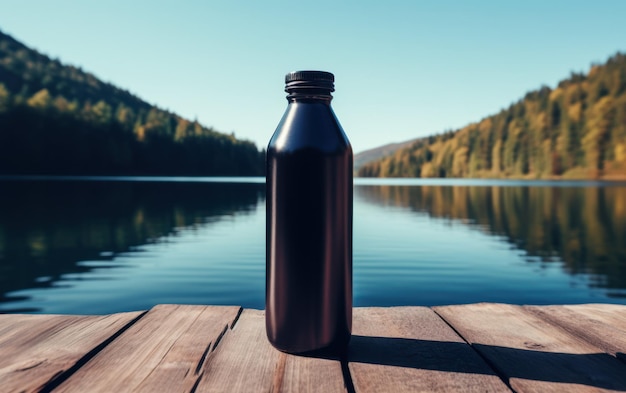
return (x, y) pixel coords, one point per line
(178, 348)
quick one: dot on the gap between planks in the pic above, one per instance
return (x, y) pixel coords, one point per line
(161, 352)
(407, 346)
(547, 348)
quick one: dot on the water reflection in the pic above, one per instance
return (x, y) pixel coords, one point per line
(47, 228)
(583, 228)
(96, 247)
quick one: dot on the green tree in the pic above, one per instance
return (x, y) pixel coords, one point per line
(60, 119)
(102, 112)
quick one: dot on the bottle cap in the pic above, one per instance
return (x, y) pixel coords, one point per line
(309, 80)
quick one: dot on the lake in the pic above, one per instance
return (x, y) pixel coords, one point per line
(105, 245)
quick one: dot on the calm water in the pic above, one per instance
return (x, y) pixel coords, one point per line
(103, 246)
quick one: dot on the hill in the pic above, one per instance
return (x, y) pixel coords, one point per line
(377, 153)
(59, 119)
(576, 130)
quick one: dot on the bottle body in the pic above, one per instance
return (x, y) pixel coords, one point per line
(309, 231)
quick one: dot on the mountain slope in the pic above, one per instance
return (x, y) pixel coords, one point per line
(379, 152)
(577, 130)
(58, 119)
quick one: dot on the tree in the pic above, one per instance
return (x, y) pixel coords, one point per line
(61, 104)
(577, 128)
(102, 112)
(601, 118)
(40, 100)
(181, 129)
(5, 98)
(60, 119)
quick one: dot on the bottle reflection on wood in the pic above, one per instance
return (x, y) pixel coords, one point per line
(309, 222)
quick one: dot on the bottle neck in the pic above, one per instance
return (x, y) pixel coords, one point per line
(309, 95)
(310, 100)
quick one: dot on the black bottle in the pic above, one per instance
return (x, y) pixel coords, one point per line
(309, 222)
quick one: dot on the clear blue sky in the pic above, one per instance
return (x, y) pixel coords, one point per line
(403, 69)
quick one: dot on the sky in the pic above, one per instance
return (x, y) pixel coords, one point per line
(403, 69)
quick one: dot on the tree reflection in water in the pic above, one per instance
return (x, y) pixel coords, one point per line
(57, 233)
(584, 228)
(48, 227)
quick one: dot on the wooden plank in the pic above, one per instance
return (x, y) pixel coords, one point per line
(307, 374)
(409, 349)
(36, 349)
(245, 361)
(603, 325)
(198, 348)
(161, 352)
(533, 354)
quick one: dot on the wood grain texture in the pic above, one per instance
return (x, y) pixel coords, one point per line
(36, 349)
(413, 350)
(161, 352)
(603, 325)
(244, 361)
(307, 374)
(222, 349)
(535, 355)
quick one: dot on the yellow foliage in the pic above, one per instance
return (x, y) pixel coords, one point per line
(140, 132)
(556, 94)
(485, 125)
(585, 85)
(594, 70)
(181, 129)
(600, 118)
(102, 111)
(576, 173)
(41, 99)
(61, 104)
(578, 132)
(384, 167)
(459, 162)
(515, 128)
(531, 107)
(439, 156)
(548, 164)
(72, 106)
(620, 152)
(561, 143)
(462, 132)
(435, 147)
(428, 170)
(4, 98)
(574, 92)
(575, 111)
(123, 114)
(496, 155)
(539, 122)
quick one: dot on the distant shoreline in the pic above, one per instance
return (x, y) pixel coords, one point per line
(358, 181)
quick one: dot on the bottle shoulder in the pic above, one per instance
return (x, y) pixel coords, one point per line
(309, 126)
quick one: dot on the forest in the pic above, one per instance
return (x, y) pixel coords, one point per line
(574, 131)
(59, 119)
